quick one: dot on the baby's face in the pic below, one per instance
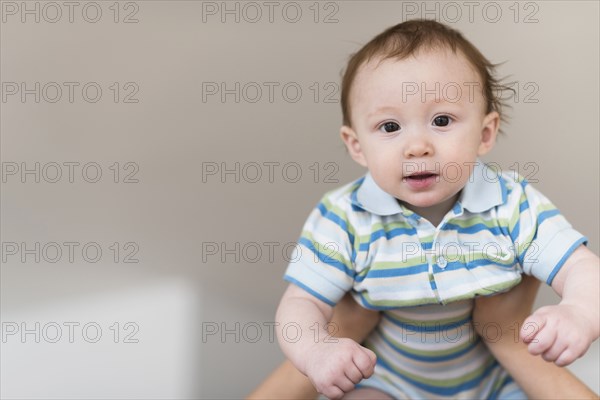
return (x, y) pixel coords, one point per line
(419, 125)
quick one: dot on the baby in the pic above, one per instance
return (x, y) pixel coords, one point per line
(427, 229)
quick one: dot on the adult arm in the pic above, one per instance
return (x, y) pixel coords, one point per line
(539, 379)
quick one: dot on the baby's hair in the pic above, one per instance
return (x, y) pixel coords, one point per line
(409, 37)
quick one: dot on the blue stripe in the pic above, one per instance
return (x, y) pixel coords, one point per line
(309, 290)
(445, 357)
(391, 233)
(472, 228)
(356, 208)
(524, 205)
(392, 272)
(330, 215)
(433, 285)
(560, 263)
(544, 215)
(433, 328)
(444, 391)
(505, 231)
(457, 209)
(326, 258)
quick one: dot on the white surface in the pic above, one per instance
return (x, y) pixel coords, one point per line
(159, 366)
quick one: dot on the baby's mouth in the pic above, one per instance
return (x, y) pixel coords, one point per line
(421, 176)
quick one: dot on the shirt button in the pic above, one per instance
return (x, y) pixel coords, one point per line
(441, 262)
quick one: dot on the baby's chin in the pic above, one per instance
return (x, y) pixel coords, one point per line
(419, 203)
(427, 200)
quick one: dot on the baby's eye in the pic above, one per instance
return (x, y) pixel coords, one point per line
(389, 127)
(441, 120)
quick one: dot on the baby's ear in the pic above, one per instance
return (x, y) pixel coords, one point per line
(350, 139)
(489, 132)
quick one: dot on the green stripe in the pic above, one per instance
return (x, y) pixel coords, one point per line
(425, 323)
(398, 303)
(341, 214)
(335, 254)
(471, 221)
(545, 207)
(443, 383)
(516, 215)
(428, 353)
(422, 259)
(383, 265)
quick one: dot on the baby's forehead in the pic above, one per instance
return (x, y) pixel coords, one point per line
(442, 64)
(434, 71)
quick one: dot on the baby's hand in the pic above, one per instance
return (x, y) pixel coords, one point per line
(334, 368)
(560, 333)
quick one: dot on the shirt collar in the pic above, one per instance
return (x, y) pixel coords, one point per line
(484, 189)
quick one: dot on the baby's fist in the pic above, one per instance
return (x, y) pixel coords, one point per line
(560, 333)
(334, 368)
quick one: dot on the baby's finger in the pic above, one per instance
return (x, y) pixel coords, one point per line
(555, 350)
(544, 340)
(353, 373)
(372, 355)
(333, 392)
(365, 361)
(531, 327)
(565, 358)
(574, 348)
(344, 384)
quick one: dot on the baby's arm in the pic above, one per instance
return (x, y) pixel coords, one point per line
(539, 379)
(286, 382)
(565, 331)
(333, 365)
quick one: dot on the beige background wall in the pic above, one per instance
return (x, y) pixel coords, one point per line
(165, 127)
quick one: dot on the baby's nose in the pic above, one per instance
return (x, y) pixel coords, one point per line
(418, 146)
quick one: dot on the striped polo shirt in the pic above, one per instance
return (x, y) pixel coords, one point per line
(359, 238)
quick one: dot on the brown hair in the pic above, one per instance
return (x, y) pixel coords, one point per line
(407, 38)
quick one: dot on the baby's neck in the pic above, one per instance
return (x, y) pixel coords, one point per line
(436, 213)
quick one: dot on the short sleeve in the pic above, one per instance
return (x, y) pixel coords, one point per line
(322, 261)
(543, 239)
